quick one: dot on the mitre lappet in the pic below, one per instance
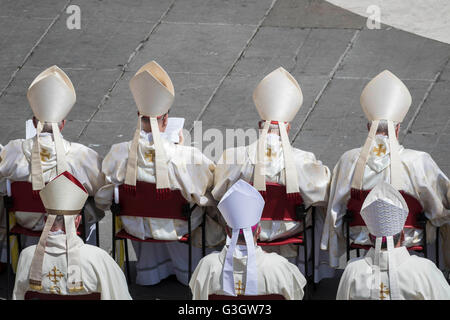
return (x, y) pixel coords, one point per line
(241, 207)
(66, 196)
(51, 96)
(278, 97)
(384, 211)
(385, 97)
(154, 94)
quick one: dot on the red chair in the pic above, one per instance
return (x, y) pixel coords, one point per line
(244, 297)
(33, 295)
(278, 207)
(144, 202)
(20, 198)
(416, 219)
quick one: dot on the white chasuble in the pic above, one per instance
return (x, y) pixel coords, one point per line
(418, 278)
(275, 275)
(191, 173)
(313, 179)
(100, 273)
(420, 178)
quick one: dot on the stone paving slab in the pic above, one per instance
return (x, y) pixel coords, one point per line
(312, 14)
(219, 11)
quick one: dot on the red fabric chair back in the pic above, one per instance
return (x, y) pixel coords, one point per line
(23, 198)
(144, 202)
(357, 198)
(33, 295)
(244, 297)
(278, 206)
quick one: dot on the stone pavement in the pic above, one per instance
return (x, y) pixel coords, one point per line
(216, 52)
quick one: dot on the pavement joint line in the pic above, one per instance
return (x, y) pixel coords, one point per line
(297, 51)
(247, 44)
(28, 55)
(368, 78)
(124, 68)
(407, 130)
(210, 23)
(327, 83)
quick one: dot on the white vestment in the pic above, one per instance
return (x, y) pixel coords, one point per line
(313, 179)
(99, 272)
(276, 275)
(420, 176)
(191, 173)
(418, 278)
(83, 163)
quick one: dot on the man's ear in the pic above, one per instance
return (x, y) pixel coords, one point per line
(77, 221)
(63, 123)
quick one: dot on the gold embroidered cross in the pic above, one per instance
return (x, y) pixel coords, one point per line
(239, 289)
(55, 275)
(45, 154)
(383, 290)
(379, 150)
(150, 155)
(269, 153)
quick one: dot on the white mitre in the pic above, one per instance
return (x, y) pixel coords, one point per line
(51, 96)
(384, 211)
(65, 196)
(277, 98)
(154, 94)
(241, 207)
(385, 97)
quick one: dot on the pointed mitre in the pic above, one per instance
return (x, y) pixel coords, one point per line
(64, 195)
(384, 211)
(51, 95)
(241, 206)
(278, 96)
(385, 97)
(152, 90)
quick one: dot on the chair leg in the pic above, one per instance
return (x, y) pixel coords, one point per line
(83, 229)
(305, 250)
(313, 246)
(347, 242)
(127, 260)
(424, 241)
(97, 235)
(437, 247)
(8, 256)
(204, 235)
(19, 242)
(190, 249)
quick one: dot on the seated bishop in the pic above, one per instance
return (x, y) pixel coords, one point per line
(242, 267)
(388, 271)
(37, 160)
(152, 158)
(61, 264)
(385, 101)
(272, 159)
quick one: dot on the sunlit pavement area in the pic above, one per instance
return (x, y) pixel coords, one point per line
(216, 52)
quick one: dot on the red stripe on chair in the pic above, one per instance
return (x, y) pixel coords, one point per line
(21, 193)
(146, 202)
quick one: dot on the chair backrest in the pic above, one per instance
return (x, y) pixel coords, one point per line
(244, 297)
(23, 198)
(144, 202)
(278, 206)
(357, 198)
(33, 295)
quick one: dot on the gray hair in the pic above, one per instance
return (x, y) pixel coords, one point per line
(47, 127)
(382, 126)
